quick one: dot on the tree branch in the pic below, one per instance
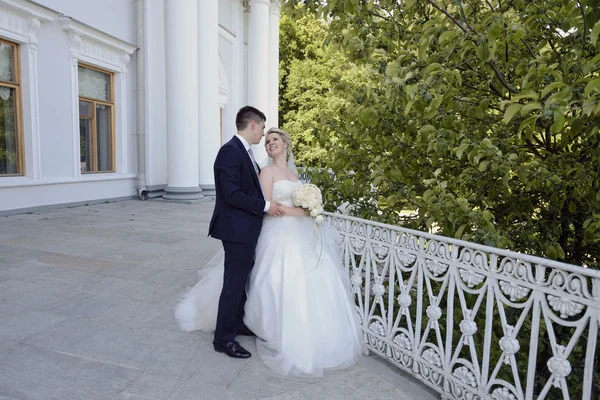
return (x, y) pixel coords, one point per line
(492, 8)
(528, 48)
(501, 77)
(496, 93)
(485, 121)
(584, 23)
(509, 5)
(448, 15)
(533, 149)
(463, 63)
(554, 50)
(464, 15)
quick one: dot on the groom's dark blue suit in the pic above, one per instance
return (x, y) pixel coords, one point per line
(236, 221)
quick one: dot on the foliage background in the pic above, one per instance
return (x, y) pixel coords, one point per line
(479, 119)
(475, 119)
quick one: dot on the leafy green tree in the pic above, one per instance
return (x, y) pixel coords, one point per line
(480, 116)
(310, 72)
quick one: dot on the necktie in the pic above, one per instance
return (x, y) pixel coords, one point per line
(253, 161)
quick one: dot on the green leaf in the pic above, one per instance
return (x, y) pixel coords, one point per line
(551, 87)
(560, 251)
(519, 34)
(461, 149)
(577, 126)
(559, 122)
(483, 165)
(572, 207)
(588, 107)
(592, 85)
(487, 215)
(428, 193)
(430, 222)
(510, 112)
(408, 107)
(529, 107)
(459, 232)
(528, 122)
(431, 68)
(447, 36)
(595, 33)
(427, 129)
(463, 203)
(526, 94)
(396, 174)
(551, 252)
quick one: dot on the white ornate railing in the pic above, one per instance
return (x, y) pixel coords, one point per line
(471, 321)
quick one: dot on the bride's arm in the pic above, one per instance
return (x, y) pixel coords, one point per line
(295, 211)
(266, 181)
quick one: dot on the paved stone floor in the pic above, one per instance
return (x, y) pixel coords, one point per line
(86, 312)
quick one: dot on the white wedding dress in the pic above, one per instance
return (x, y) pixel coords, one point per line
(299, 301)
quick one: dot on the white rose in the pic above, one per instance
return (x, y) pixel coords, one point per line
(319, 219)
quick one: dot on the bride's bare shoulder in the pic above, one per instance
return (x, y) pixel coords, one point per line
(268, 173)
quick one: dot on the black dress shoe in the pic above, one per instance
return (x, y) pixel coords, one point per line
(233, 349)
(244, 331)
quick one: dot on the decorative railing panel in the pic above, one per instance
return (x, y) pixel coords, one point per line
(474, 322)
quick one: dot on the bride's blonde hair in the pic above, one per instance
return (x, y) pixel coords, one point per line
(285, 137)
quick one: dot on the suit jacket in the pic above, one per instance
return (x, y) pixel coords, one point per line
(239, 205)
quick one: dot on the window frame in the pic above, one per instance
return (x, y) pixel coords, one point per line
(95, 102)
(16, 85)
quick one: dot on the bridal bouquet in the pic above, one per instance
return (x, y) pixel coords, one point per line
(308, 196)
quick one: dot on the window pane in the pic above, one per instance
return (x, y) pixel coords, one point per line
(94, 84)
(86, 109)
(9, 142)
(6, 62)
(104, 137)
(85, 144)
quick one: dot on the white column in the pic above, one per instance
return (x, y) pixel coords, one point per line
(181, 32)
(208, 82)
(273, 111)
(258, 65)
(238, 81)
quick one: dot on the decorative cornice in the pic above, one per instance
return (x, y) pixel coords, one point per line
(275, 8)
(92, 45)
(29, 9)
(33, 26)
(21, 20)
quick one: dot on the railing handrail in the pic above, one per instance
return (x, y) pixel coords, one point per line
(466, 318)
(589, 272)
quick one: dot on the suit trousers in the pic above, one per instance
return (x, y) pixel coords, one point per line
(239, 260)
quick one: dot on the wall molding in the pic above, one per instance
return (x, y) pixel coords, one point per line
(96, 48)
(20, 22)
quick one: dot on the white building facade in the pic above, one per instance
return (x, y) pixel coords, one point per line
(112, 99)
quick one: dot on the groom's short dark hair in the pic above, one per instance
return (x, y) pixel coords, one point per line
(247, 114)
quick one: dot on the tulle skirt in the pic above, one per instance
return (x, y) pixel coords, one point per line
(299, 305)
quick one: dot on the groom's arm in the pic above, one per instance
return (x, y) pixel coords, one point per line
(230, 176)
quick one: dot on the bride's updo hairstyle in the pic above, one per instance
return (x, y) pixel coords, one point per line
(285, 137)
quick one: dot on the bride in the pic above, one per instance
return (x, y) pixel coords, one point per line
(299, 301)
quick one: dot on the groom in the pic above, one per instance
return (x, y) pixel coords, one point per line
(237, 221)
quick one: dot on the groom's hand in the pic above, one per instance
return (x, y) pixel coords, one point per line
(275, 210)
